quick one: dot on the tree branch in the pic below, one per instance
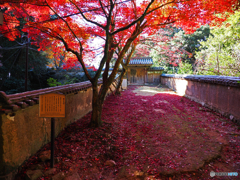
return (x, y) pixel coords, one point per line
(66, 24)
(79, 56)
(170, 2)
(84, 17)
(108, 44)
(103, 8)
(134, 22)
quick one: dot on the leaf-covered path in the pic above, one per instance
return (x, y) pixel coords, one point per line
(149, 133)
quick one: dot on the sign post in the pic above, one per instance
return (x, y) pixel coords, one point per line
(52, 105)
(52, 141)
(1, 17)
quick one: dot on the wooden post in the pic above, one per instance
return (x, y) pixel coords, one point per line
(52, 141)
(144, 76)
(1, 18)
(26, 66)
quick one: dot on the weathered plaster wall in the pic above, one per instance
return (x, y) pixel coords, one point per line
(221, 94)
(23, 133)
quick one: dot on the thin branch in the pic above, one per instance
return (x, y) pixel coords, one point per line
(32, 49)
(79, 56)
(124, 65)
(162, 24)
(139, 28)
(98, 54)
(135, 21)
(66, 24)
(10, 48)
(103, 8)
(17, 57)
(11, 56)
(170, 2)
(203, 69)
(7, 27)
(49, 32)
(23, 1)
(108, 44)
(109, 19)
(135, 9)
(84, 17)
(94, 49)
(101, 37)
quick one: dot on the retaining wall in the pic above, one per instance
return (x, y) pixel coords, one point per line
(23, 133)
(220, 93)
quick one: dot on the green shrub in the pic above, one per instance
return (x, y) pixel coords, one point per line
(185, 68)
(53, 82)
(67, 80)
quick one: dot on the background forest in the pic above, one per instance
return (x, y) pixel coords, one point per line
(45, 68)
(208, 51)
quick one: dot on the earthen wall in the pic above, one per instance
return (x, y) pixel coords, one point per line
(23, 132)
(219, 93)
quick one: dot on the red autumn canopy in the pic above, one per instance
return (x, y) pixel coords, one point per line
(115, 23)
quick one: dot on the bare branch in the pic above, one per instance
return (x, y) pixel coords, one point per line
(84, 17)
(124, 65)
(46, 31)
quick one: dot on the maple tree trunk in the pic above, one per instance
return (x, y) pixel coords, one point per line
(120, 81)
(124, 71)
(98, 97)
(97, 103)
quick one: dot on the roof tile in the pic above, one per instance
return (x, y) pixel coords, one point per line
(141, 61)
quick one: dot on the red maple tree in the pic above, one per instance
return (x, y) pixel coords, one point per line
(75, 23)
(161, 43)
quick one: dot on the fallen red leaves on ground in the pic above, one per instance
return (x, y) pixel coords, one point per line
(163, 136)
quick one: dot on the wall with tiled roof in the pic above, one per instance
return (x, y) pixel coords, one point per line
(23, 132)
(141, 61)
(220, 93)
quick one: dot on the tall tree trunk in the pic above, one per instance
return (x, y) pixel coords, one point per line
(120, 81)
(98, 97)
(96, 108)
(124, 71)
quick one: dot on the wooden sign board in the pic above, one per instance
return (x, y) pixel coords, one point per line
(52, 105)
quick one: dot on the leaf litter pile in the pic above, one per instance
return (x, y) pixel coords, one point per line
(148, 133)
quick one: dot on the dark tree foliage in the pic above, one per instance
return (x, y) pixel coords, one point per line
(191, 42)
(13, 65)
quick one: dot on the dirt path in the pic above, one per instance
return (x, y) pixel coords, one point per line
(149, 133)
